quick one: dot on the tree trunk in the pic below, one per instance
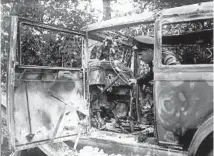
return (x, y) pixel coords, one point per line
(106, 9)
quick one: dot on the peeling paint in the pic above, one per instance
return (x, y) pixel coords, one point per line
(46, 110)
(192, 102)
(181, 97)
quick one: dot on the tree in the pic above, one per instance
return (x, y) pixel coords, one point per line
(106, 9)
(157, 5)
(60, 13)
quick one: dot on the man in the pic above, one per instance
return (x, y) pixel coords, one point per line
(144, 51)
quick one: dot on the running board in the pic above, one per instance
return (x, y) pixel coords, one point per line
(130, 149)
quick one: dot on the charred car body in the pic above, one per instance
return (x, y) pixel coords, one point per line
(135, 85)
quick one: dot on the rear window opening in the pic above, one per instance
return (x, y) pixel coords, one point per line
(187, 43)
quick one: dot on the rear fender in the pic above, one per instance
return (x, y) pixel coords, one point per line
(203, 131)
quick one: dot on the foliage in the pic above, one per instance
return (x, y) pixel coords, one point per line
(106, 9)
(111, 49)
(50, 48)
(157, 5)
(187, 27)
(187, 47)
(60, 13)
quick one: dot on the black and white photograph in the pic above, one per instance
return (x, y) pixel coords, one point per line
(106, 77)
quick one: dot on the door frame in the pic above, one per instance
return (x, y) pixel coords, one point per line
(15, 62)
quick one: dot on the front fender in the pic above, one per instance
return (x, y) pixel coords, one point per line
(203, 131)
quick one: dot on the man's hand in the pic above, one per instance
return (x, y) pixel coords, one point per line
(132, 81)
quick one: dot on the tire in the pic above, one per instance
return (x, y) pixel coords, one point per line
(206, 148)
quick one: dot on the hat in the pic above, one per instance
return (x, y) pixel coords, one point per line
(145, 39)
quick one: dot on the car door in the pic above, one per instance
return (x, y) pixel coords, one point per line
(46, 83)
(183, 72)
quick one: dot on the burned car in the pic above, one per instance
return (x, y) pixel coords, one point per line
(143, 85)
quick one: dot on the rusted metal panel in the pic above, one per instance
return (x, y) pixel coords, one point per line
(129, 149)
(43, 142)
(1, 114)
(45, 110)
(181, 105)
(174, 76)
(183, 94)
(157, 45)
(120, 22)
(184, 68)
(11, 79)
(50, 27)
(189, 9)
(44, 103)
(48, 67)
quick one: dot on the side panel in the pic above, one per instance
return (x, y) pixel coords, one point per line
(183, 92)
(11, 79)
(44, 103)
(183, 101)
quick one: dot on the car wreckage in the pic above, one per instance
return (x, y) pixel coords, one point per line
(134, 85)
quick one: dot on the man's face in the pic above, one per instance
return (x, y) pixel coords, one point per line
(147, 55)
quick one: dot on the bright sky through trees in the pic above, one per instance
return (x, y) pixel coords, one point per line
(119, 8)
